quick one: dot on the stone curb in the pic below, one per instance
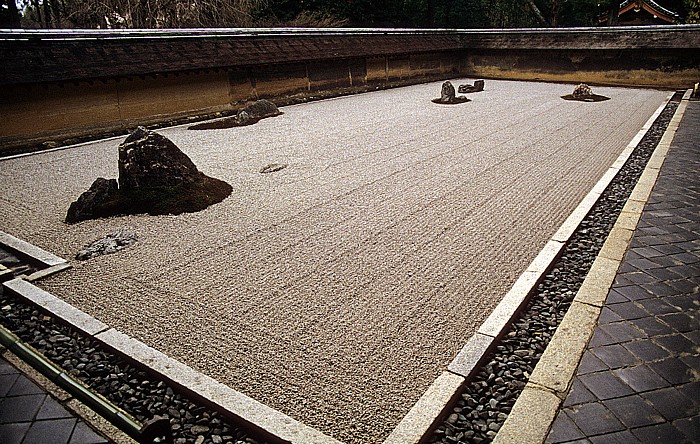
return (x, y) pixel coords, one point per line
(254, 414)
(412, 430)
(52, 263)
(536, 408)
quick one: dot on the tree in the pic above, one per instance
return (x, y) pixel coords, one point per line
(9, 14)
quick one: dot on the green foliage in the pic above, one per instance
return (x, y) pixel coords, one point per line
(693, 11)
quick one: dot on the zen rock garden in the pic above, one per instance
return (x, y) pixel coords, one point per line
(155, 178)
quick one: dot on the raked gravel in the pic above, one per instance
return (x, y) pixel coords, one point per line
(337, 289)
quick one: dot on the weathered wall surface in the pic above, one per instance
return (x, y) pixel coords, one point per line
(57, 87)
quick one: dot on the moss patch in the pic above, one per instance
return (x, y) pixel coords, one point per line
(592, 98)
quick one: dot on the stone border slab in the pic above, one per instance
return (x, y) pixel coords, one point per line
(536, 408)
(30, 250)
(480, 343)
(51, 262)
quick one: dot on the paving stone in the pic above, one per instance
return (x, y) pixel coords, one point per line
(615, 297)
(608, 316)
(646, 350)
(656, 306)
(59, 430)
(658, 433)
(20, 408)
(671, 403)
(681, 322)
(690, 427)
(693, 336)
(661, 274)
(600, 338)
(7, 369)
(6, 382)
(594, 419)
(633, 292)
(683, 286)
(13, 433)
(51, 409)
(629, 310)
(639, 277)
(640, 378)
(622, 331)
(622, 437)
(564, 430)
(605, 385)
(676, 343)
(83, 434)
(684, 302)
(615, 356)
(652, 326)
(590, 364)
(673, 370)
(23, 386)
(633, 411)
(648, 252)
(578, 394)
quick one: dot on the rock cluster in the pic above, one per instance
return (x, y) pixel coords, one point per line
(584, 93)
(155, 177)
(150, 160)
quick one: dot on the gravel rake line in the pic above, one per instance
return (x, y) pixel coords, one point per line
(488, 397)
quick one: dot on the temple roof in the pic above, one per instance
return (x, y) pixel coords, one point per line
(654, 9)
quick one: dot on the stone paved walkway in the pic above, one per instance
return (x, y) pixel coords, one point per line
(28, 414)
(639, 379)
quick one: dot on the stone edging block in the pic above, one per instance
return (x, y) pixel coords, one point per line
(30, 250)
(421, 417)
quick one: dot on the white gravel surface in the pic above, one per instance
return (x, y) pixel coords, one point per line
(337, 289)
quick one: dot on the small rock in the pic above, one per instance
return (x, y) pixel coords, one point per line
(199, 429)
(273, 167)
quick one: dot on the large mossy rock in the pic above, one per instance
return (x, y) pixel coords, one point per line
(155, 177)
